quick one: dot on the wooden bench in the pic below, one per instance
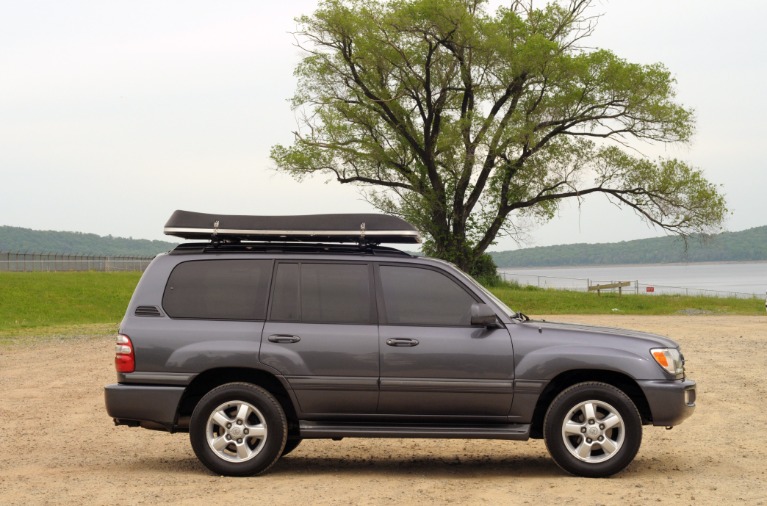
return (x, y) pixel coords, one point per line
(619, 285)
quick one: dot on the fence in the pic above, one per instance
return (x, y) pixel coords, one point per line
(56, 262)
(636, 287)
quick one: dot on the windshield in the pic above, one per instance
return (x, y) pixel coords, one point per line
(506, 309)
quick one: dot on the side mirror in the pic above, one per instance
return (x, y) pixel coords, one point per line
(483, 315)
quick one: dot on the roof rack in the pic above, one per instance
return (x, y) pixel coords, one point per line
(289, 248)
(334, 228)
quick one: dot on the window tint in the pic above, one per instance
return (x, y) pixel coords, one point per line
(322, 293)
(414, 296)
(218, 290)
(285, 301)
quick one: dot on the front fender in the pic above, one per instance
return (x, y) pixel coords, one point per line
(543, 364)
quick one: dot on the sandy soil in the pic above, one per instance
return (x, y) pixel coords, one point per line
(58, 445)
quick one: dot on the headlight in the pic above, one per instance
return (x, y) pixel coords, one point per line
(670, 359)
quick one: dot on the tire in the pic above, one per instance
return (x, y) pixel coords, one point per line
(238, 429)
(291, 445)
(592, 430)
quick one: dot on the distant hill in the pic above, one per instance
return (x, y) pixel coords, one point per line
(15, 239)
(747, 245)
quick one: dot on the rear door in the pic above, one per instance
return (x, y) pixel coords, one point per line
(433, 362)
(321, 334)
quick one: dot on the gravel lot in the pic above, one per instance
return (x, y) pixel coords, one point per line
(58, 445)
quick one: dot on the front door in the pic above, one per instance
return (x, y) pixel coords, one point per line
(433, 362)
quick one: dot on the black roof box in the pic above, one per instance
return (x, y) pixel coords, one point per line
(367, 228)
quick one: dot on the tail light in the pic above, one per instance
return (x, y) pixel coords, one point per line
(125, 360)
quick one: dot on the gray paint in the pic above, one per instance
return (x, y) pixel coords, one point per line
(348, 374)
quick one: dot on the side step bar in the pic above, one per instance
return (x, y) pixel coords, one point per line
(334, 430)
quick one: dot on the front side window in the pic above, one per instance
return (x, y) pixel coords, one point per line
(416, 296)
(322, 293)
(218, 290)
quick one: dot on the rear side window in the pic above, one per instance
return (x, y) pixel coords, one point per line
(414, 296)
(322, 293)
(218, 290)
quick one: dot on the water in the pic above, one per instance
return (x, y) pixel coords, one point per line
(741, 279)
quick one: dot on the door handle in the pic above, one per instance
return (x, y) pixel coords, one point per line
(402, 341)
(283, 338)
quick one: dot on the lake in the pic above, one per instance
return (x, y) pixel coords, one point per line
(741, 279)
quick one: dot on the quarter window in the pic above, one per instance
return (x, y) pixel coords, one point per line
(218, 290)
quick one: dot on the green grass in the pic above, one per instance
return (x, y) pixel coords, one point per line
(35, 300)
(57, 303)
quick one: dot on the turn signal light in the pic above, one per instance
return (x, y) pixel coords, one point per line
(660, 357)
(669, 359)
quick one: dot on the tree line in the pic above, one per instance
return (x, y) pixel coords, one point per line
(747, 245)
(24, 240)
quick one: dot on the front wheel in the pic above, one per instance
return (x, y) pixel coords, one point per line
(238, 429)
(592, 430)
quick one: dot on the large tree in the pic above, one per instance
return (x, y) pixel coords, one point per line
(466, 122)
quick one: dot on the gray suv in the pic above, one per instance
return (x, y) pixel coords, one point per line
(277, 329)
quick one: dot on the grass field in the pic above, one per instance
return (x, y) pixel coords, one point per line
(33, 300)
(42, 303)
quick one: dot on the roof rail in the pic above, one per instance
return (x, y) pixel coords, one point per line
(332, 228)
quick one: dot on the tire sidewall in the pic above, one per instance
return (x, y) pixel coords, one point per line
(560, 407)
(274, 419)
(290, 445)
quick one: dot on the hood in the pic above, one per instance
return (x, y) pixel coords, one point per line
(579, 331)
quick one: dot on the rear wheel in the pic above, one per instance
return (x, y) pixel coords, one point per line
(238, 429)
(592, 430)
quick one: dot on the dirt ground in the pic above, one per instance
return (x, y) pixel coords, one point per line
(58, 446)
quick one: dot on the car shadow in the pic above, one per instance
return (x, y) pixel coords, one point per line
(425, 467)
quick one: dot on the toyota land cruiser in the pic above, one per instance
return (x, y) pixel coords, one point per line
(277, 329)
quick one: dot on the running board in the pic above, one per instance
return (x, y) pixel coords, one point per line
(334, 430)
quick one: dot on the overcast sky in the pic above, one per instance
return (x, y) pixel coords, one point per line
(115, 113)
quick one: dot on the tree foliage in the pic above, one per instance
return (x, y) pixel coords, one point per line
(468, 123)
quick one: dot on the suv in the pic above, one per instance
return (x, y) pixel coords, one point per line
(279, 329)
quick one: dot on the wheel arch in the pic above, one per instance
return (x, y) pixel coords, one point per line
(212, 378)
(569, 378)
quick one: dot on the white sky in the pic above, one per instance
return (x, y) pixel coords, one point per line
(113, 113)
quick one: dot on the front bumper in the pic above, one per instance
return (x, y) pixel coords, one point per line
(147, 406)
(671, 402)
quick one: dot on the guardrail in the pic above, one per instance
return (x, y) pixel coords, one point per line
(57, 262)
(583, 285)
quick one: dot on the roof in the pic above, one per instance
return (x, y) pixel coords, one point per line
(335, 228)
